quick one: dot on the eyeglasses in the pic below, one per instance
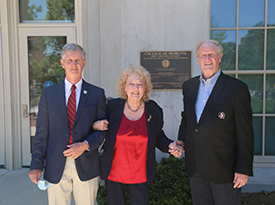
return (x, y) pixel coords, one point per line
(210, 55)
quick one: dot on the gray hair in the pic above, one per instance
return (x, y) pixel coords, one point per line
(211, 41)
(73, 47)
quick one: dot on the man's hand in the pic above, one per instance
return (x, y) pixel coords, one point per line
(76, 149)
(176, 148)
(101, 125)
(35, 175)
(240, 180)
(180, 143)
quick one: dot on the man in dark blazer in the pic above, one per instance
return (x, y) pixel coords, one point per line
(69, 166)
(216, 129)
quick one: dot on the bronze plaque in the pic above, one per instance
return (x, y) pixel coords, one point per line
(168, 69)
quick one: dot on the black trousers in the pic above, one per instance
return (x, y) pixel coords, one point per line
(205, 193)
(139, 193)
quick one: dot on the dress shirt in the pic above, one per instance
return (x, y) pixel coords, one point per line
(68, 91)
(205, 89)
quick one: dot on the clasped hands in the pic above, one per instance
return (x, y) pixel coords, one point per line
(176, 148)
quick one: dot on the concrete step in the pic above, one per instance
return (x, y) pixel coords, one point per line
(263, 179)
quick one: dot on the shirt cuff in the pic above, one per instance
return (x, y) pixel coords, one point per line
(88, 144)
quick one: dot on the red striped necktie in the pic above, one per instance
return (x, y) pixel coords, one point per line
(71, 111)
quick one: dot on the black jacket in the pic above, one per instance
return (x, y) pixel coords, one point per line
(156, 136)
(222, 142)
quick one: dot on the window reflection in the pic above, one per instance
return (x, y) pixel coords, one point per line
(270, 50)
(46, 11)
(228, 41)
(251, 13)
(251, 49)
(270, 94)
(257, 127)
(223, 14)
(255, 84)
(44, 69)
(271, 13)
(269, 136)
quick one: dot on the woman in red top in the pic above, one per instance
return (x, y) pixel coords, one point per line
(134, 130)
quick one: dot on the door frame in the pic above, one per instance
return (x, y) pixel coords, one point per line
(11, 107)
(69, 32)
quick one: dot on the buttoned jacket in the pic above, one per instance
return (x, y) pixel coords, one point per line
(52, 134)
(222, 142)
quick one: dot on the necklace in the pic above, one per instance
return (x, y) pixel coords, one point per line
(131, 108)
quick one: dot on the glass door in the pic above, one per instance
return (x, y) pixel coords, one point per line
(40, 50)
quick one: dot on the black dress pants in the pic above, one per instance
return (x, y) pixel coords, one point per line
(205, 193)
(139, 193)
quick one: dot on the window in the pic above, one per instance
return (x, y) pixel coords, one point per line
(246, 30)
(41, 11)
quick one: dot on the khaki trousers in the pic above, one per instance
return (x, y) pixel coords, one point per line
(84, 192)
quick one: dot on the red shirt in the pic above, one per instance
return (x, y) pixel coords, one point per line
(130, 152)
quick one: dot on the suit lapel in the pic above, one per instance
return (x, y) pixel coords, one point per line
(193, 92)
(60, 95)
(149, 122)
(84, 93)
(115, 120)
(218, 88)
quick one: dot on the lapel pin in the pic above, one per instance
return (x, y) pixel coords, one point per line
(85, 92)
(221, 115)
(148, 120)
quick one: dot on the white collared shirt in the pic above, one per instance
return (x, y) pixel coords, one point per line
(68, 91)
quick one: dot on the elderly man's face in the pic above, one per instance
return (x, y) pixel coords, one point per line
(73, 63)
(209, 59)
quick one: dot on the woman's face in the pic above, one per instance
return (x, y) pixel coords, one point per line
(134, 87)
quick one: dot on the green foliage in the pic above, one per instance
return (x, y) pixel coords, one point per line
(44, 61)
(229, 50)
(257, 104)
(251, 50)
(170, 186)
(102, 195)
(270, 49)
(60, 10)
(33, 10)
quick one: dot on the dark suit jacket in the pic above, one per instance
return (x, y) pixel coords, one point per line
(156, 136)
(218, 147)
(52, 134)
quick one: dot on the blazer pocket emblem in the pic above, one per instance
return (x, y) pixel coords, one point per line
(221, 115)
(148, 120)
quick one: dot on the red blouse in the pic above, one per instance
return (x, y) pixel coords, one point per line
(130, 152)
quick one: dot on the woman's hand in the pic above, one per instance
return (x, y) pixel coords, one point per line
(101, 125)
(176, 148)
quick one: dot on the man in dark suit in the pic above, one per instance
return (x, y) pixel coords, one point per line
(217, 131)
(65, 142)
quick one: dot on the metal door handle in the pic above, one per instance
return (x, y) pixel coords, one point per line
(25, 111)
